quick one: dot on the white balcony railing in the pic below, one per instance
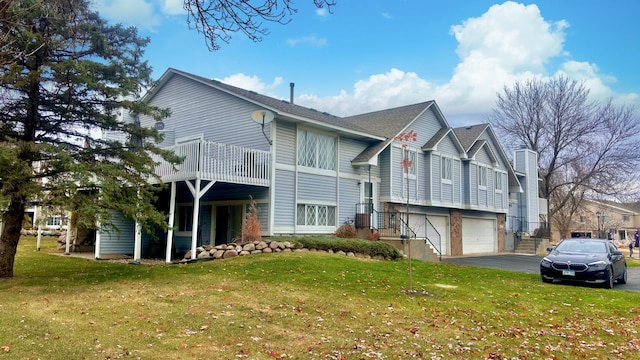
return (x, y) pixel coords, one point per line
(217, 162)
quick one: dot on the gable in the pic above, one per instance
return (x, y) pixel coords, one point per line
(201, 111)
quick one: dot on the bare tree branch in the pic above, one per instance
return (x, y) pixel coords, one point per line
(585, 148)
(217, 20)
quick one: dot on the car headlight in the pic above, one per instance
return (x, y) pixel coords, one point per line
(546, 262)
(598, 265)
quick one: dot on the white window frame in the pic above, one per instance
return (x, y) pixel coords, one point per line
(446, 169)
(412, 171)
(482, 177)
(498, 181)
(54, 221)
(319, 150)
(331, 211)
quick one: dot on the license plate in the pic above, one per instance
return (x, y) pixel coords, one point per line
(569, 272)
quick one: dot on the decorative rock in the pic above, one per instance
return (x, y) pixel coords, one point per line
(340, 252)
(188, 255)
(249, 247)
(204, 255)
(350, 254)
(218, 254)
(199, 249)
(261, 245)
(229, 254)
(267, 250)
(256, 252)
(208, 248)
(273, 245)
(244, 252)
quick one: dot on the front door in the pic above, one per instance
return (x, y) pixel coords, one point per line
(368, 196)
(228, 223)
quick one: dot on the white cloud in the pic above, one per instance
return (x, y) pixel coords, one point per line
(322, 12)
(173, 7)
(509, 42)
(252, 83)
(311, 40)
(139, 13)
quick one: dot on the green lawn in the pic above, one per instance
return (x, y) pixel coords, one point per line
(302, 306)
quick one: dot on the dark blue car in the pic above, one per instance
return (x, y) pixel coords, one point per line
(593, 261)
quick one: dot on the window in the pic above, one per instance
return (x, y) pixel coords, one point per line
(54, 221)
(626, 218)
(316, 150)
(409, 162)
(482, 176)
(185, 218)
(447, 169)
(498, 181)
(316, 215)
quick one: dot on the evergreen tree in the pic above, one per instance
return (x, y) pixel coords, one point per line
(65, 75)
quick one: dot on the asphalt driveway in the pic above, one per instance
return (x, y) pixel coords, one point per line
(530, 264)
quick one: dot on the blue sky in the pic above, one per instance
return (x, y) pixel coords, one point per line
(369, 55)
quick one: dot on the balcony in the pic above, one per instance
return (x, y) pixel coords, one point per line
(217, 162)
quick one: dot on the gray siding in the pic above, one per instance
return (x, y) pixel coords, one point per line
(349, 149)
(457, 181)
(473, 184)
(349, 197)
(425, 177)
(447, 147)
(436, 177)
(396, 173)
(285, 203)
(197, 109)
(483, 157)
(385, 172)
(285, 143)
(316, 187)
(495, 147)
(120, 241)
(425, 126)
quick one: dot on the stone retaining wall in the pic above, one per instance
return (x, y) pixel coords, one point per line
(259, 247)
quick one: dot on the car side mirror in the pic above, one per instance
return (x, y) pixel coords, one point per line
(549, 249)
(617, 252)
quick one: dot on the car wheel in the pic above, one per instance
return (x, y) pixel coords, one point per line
(610, 279)
(623, 278)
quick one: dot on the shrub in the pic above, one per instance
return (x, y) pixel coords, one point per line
(347, 231)
(371, 248)
(251, 228)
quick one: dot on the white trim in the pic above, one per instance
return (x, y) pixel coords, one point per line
(186, 139)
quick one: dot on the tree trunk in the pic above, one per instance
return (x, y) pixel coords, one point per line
(12, 220)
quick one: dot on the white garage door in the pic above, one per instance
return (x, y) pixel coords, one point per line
(440, 230)
(479, 236)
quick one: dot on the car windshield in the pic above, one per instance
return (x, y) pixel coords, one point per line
(582, 246)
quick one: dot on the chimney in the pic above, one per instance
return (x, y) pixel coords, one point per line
(292, 85)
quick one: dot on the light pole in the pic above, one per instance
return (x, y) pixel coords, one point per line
(598, 215)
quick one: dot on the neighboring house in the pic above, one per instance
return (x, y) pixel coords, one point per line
(604, 219)
(311, 172)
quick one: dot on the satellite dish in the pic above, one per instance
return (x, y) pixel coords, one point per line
(159, 125)
(262, 116)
